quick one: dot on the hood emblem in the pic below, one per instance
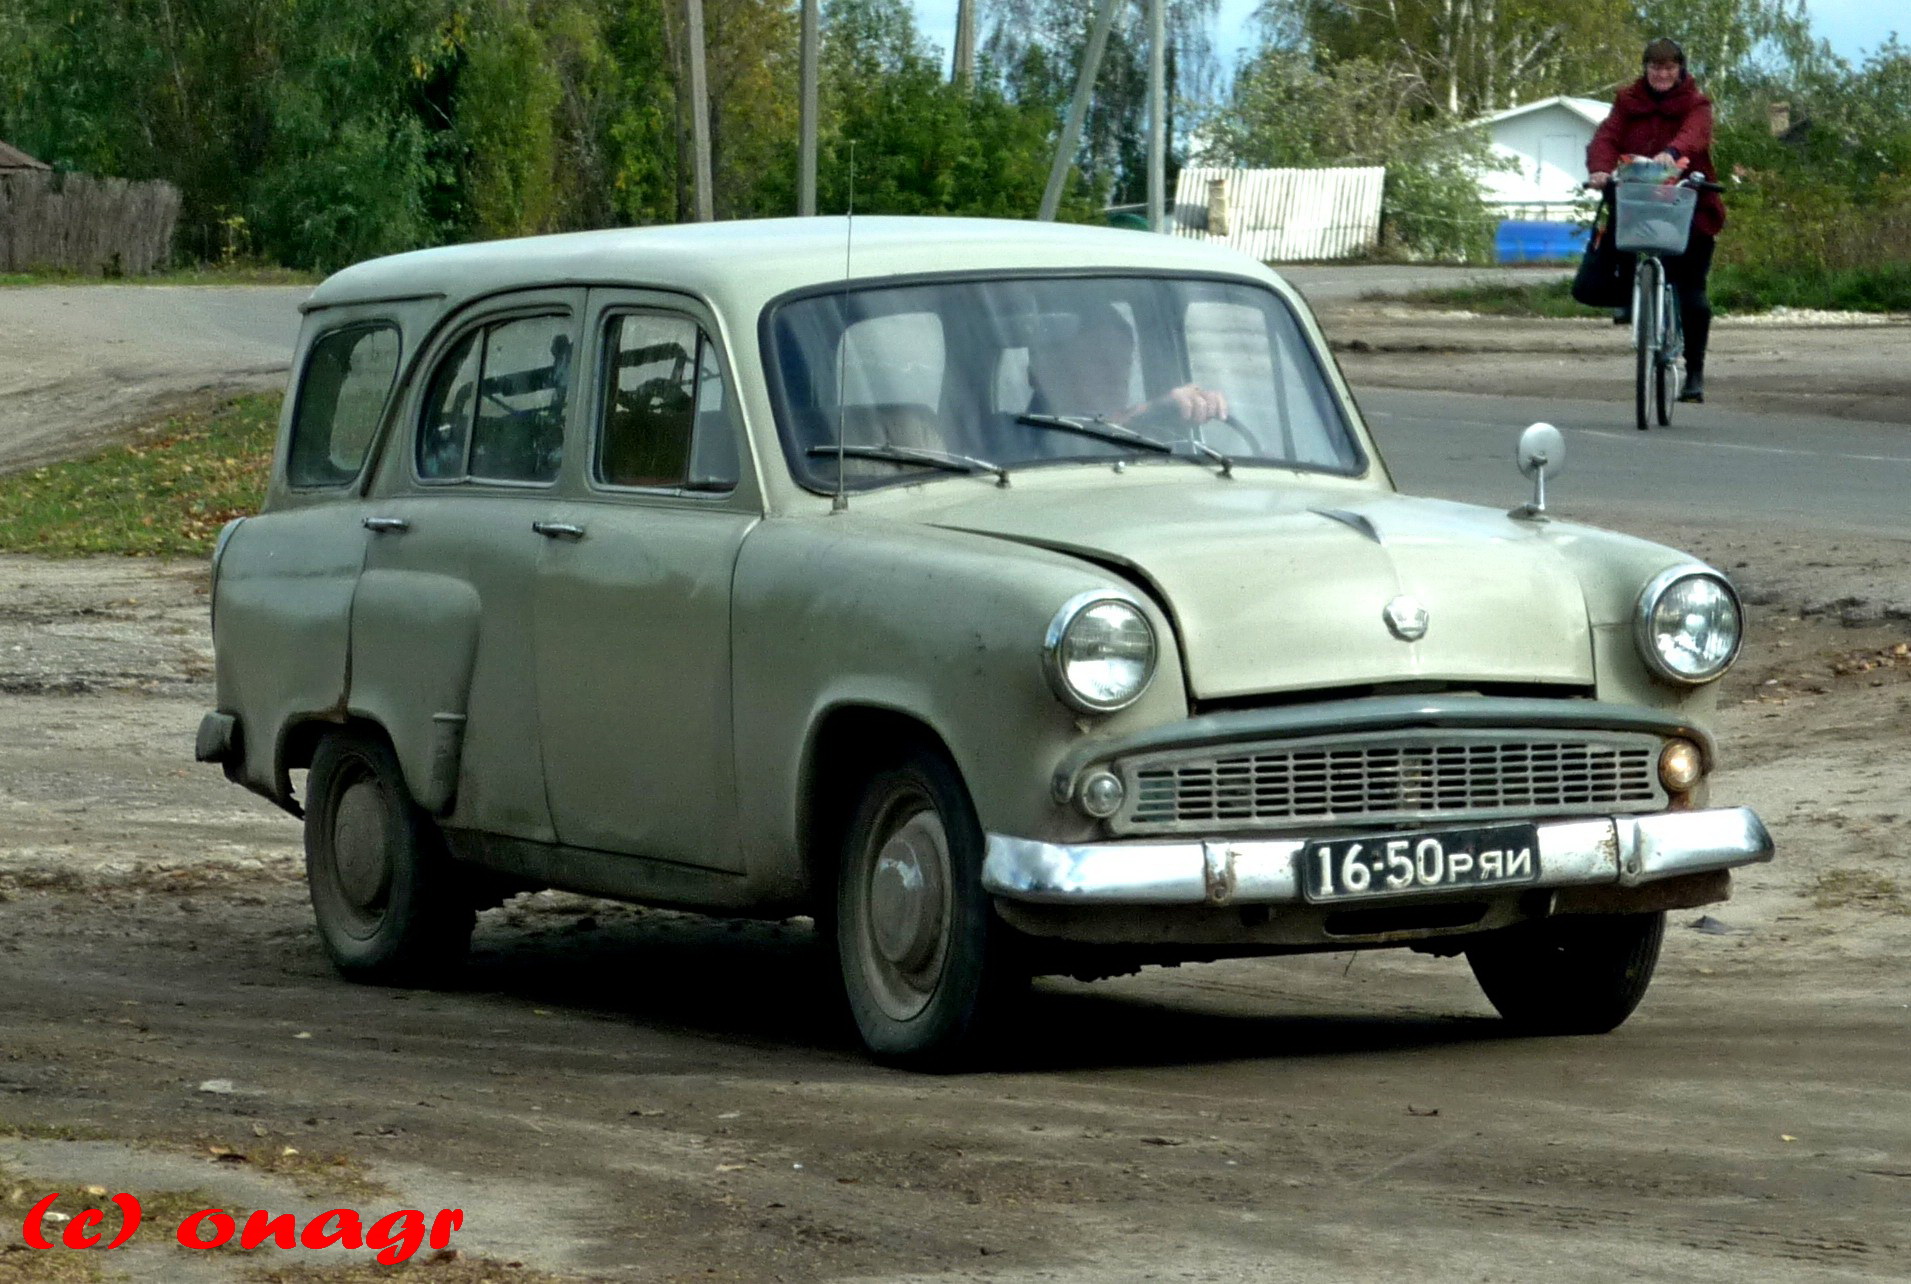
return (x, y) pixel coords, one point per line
(1406, 619)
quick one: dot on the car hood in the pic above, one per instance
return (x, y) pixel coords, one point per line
(1284, 588)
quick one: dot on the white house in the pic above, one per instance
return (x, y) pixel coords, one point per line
(1545, 145)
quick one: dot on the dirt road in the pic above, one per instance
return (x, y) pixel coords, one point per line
(616, 1094)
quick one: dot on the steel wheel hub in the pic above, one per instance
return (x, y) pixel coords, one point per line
(905, 913)
(359, 846)
(905, 896)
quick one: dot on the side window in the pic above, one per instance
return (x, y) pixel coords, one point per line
(666, 408)
(494, 409)
(341, 392)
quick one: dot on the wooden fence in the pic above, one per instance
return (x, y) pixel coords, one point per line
(75, 223)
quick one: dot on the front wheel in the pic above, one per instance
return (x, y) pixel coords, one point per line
(1666, 380)
(925, 961)
(1579, 974)
(377, 869)
(1646, 323)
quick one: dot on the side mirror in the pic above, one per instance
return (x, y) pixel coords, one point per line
(1542, 454)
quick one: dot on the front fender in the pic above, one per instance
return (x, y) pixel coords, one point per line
(942, 627)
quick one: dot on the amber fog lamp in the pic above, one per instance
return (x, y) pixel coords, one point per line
(1102, 794)
(1680, 765)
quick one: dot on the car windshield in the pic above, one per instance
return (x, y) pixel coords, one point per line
(974, 376)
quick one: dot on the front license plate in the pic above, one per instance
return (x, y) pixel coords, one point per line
(1344, 869)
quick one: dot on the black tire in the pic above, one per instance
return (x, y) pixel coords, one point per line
(926, 964)
(1579, 974)
(1645, 339)
(388, 908)
(1666, 381)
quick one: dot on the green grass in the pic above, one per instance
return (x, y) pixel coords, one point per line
(1544, 299)
(201, 275)
(1745, 288)
(166, 493)
(1734, 288)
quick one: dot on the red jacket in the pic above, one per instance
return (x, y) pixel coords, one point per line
(1643, 125)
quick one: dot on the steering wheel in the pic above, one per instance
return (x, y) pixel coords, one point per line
(1238, 428)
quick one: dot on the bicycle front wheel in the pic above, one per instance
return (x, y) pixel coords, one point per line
(1667, 382)
(1646, 324)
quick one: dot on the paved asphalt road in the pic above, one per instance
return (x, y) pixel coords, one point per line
(1330, 282)
(1713, 463)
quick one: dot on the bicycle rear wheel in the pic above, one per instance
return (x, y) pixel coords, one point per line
(1667, 381)
(1645, 337)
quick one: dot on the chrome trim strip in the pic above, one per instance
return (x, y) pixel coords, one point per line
(1380, 713)
(1628, 850)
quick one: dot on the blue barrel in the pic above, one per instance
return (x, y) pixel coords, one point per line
(1531, 241)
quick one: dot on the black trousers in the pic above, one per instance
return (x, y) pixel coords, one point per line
(1687, 272)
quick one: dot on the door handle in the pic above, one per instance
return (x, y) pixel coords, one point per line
(383, 525)
(558, 530)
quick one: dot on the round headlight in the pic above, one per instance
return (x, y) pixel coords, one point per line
(1100, 653)
(1689, 625)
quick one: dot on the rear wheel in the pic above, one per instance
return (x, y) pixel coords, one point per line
(1579, 974)
(380, 878)
(925, 961)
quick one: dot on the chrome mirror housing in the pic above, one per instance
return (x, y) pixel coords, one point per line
(1542, 454)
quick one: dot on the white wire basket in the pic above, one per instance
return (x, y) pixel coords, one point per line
(1654, 217)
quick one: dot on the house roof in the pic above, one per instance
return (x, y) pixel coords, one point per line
(1591, 110)
(13, 158)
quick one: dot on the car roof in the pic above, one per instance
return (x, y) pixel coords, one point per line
(747, 262)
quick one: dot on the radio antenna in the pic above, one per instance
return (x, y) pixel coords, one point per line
(841, 503)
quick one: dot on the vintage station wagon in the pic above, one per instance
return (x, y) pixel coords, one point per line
(1012, 598)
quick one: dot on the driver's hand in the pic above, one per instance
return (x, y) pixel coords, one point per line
(1598, 181)
(1196, 404)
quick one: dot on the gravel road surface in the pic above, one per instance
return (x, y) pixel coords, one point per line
(628, 1095)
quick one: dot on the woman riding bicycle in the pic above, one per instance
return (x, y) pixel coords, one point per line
(1663, 116)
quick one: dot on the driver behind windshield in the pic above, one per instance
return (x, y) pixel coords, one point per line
(1085, 372)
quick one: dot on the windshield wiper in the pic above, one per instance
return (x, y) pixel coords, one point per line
(1116, 434)
(1099, 428)
(968, 465)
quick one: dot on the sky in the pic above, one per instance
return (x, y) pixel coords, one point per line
(1854, 27)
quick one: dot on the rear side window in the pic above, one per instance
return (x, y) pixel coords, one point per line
(666, 407)
(494, 409)
(342, 393)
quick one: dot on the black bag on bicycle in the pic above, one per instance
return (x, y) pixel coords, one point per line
(1604, 278)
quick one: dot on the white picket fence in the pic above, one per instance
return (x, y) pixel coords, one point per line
(1284, 215)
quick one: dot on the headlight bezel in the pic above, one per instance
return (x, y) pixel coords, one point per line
(1648, 604)
(1056, 669)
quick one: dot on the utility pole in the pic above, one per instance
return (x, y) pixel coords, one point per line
(699, 111)
(806, 113)
(1077, 111)
(964, 70)
(1157, 124)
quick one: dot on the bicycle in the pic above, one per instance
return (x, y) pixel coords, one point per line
(1652, 217)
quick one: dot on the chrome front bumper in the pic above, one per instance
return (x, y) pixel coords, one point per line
(1626, 851)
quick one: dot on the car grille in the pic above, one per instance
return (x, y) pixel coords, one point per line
(1394, 776)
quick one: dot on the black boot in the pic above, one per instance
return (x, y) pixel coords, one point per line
(1694, 389)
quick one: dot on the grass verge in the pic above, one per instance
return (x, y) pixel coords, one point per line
(166, 493)
(1734, 288)
(177, 276)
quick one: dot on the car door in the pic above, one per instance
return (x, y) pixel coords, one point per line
(633, 592)
(442, 648)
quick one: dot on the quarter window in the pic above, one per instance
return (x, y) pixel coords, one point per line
(494, 409)
(341, 397)
(666, 408)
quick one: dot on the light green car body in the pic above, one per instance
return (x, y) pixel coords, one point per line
(657, 710)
